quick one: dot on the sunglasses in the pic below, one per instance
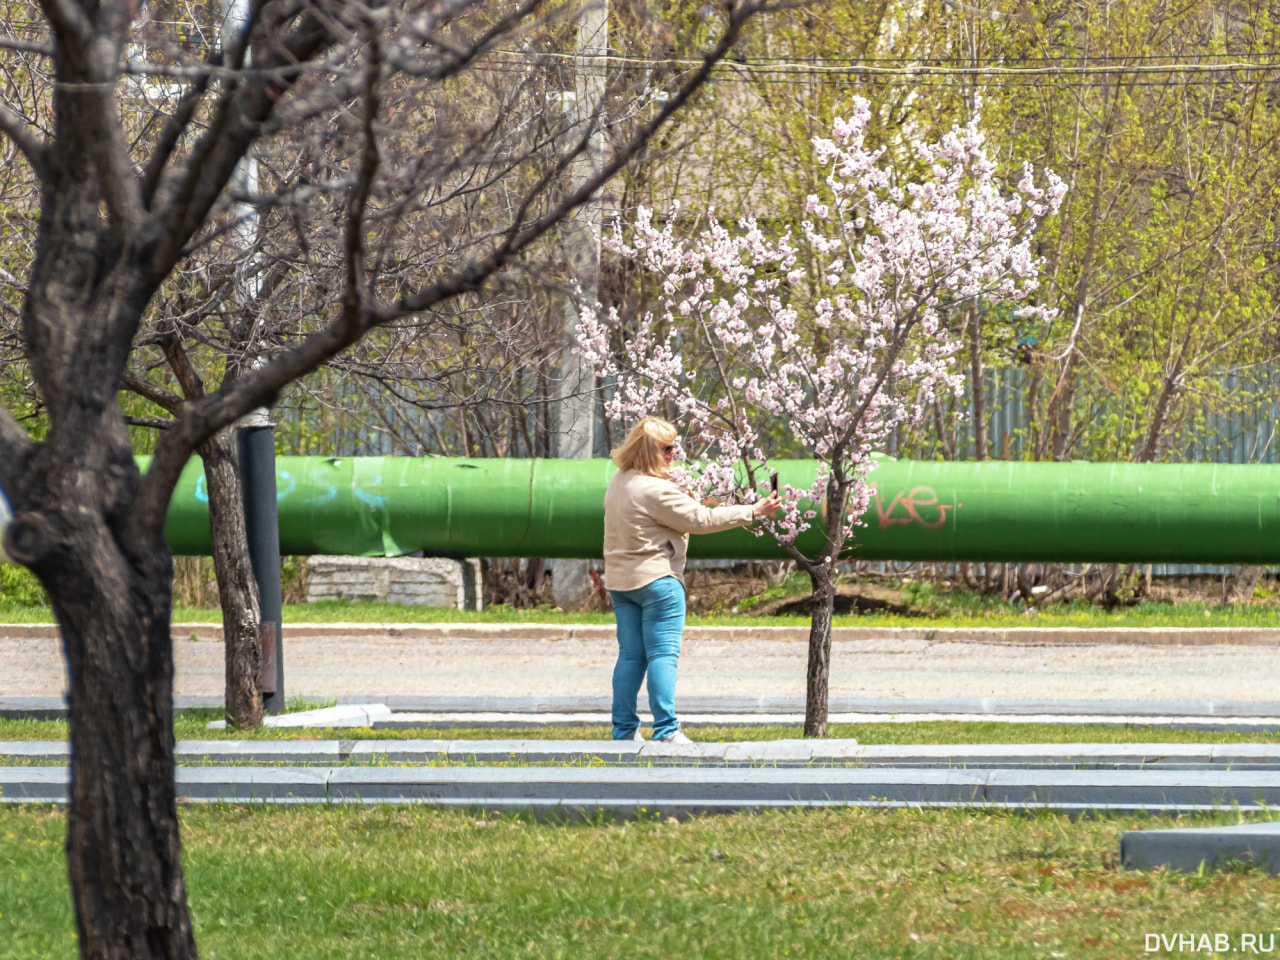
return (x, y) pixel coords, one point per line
(669, 449)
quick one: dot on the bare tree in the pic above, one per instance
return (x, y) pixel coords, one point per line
(121, 213)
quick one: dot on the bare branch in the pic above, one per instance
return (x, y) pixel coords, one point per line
(72, 27)
(150, 391)
(19, 131)
(170, 137)
(182, 367)
(18, 45)
(15, 446)
(191, 191)
(517, 240)
(261, 386)
(153, 422)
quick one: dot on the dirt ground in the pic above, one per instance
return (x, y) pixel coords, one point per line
(336, 665)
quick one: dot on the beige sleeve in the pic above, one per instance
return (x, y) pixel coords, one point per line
(673, 508)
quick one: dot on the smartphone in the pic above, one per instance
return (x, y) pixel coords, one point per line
(773, 481)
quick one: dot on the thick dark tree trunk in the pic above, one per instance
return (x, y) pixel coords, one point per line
(123, 848)
(818, 679)
(237, 589)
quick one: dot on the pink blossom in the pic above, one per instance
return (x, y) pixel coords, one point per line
(893, 264)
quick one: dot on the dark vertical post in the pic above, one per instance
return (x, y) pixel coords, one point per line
(258, 461)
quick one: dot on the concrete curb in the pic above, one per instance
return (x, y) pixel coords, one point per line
(1161, 636)
(780, 753)
(667, 789)
(389, 712)
(1188, 849)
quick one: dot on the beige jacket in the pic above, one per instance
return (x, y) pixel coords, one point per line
(647, 522)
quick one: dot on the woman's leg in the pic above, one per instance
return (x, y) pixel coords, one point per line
(663, 626)
(628, 672)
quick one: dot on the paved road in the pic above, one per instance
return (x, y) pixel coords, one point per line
(463, 667)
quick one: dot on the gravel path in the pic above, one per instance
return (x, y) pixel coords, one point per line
(332, 666)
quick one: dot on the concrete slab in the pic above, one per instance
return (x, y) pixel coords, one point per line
(795, 706)
(260, 751)
(11, 750)
(34, 784)
(1134, 787)
(542, 751)
(752, 709)
(253, 784)
(586, 787)
(1187, 849)
(398, 751)
(1075, 755)
(343, 715)
(697, 789)
(499, 721)
(33, 708)
(781, 753)
(777, 751)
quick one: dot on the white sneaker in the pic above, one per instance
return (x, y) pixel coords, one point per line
(677, 737)
(638, 736)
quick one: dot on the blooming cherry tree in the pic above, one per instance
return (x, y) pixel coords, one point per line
(834, 338)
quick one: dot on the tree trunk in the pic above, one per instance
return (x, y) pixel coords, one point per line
(975, 376)
(1242, 584)
(123, 849)
(237, 589)
(817, 681)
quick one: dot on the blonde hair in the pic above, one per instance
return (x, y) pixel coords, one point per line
(642, 450)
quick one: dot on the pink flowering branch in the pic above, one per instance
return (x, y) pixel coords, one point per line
(890, 262)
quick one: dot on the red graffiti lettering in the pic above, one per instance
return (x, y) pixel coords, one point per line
(918, 497)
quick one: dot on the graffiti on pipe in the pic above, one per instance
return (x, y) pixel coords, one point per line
(911, 503)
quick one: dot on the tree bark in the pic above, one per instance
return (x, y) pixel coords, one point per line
(1242, 584)
(975, 375)
(123, 848)
(818, 677)
(237, 589)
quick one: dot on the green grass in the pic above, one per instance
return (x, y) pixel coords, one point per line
(194, 726)
(403, 883)
(986, 614)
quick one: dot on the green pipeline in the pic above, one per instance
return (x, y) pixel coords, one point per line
(999, 511)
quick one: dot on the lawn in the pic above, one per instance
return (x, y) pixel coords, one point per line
(987, 615)
(411, 882)
(193, 725)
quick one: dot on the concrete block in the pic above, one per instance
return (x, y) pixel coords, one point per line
(660, 752)
(34, 784)
(693, 787)
(771, 751)
(543, 751)
(398, 751)
(33, 708)
(1244, 753)
(253, 784)
(1187, 848)
(1038, 755)
(347, 715)
(1135, 788)
(410, 581)
(260, 751)
(35, 750)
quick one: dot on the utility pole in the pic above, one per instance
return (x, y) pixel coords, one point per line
(257, 447)
(577, 399)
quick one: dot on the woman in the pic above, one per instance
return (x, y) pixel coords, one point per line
(647, 522)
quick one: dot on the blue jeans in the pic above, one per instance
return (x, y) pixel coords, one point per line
(650, 623)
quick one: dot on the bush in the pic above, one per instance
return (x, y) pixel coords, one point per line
(20, 588)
